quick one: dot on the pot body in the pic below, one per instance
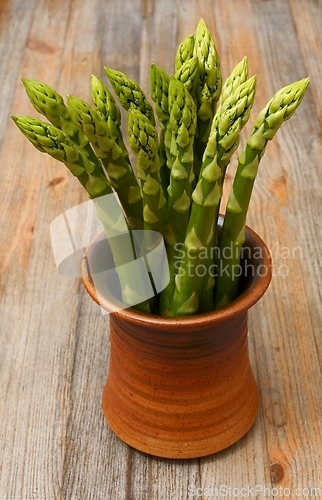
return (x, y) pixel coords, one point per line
(181, 392)
(184, 387)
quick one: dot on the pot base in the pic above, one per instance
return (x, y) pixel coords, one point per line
(183, 447)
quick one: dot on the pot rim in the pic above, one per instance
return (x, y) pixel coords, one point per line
(250, 295)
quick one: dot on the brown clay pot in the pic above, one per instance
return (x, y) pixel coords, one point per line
(183, 387)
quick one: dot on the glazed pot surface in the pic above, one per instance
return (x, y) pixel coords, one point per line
(180, 393)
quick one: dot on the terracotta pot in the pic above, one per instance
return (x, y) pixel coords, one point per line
(183, 387)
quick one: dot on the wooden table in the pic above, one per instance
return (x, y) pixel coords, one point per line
(54, 442)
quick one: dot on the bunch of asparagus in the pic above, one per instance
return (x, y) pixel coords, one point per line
(181, 162)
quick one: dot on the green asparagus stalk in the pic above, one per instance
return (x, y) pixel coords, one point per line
(108, 111)
(117, 166)
(209, 87)
(159, 89)
(229, 120)
(143, 140)
(49, 139)
(279, 109)
(182, 125)
(123, 247)
(160, 81)
(110, 114)
(184, 52)
(129, 93)
(237, 77)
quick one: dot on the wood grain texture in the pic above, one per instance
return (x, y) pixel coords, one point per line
(54, 443)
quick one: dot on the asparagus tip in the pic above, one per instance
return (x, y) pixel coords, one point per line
(26, 82)
(20, 121)
(306, 82)
(31, 84)
(96, 84)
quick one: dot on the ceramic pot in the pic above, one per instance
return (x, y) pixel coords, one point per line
(183, 387)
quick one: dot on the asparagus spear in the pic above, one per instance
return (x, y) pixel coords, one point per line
(112, 157)
(182, 125)
(129, 93)
(102, 127)
(49, 139)
(108, 111)
(238, 76)
(124, 250)
(229, 120)
(144, 143)
(160, 80)
(210, 82)
(159, 88)
(279, 109)
(185, 51)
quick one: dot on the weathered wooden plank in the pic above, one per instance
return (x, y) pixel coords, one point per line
(15, 21)
(307, 18)
(289, 399)
(41, 344)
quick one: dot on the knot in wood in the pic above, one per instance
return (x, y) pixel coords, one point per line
(276, 471)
